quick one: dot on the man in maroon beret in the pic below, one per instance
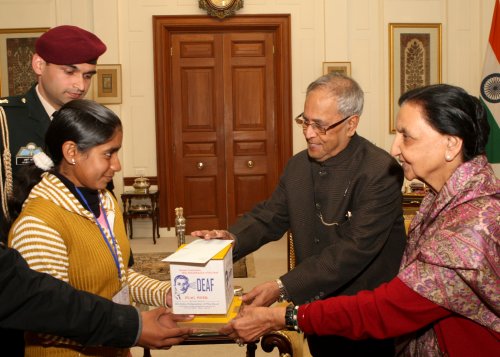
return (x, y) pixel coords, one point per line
(64, 62)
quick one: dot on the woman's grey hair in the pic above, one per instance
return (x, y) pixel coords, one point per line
(350, 96)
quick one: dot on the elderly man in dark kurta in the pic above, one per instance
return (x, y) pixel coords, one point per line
(341, 200)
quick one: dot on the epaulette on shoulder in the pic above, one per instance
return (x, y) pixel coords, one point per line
(17, 101)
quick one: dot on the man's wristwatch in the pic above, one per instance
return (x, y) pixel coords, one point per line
(283, 293)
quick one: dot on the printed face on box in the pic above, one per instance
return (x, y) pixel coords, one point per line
(181, 284)
(201, 277)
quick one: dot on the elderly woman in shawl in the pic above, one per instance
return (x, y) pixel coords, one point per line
(446, 297)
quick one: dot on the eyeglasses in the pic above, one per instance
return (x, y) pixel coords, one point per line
(318, 129)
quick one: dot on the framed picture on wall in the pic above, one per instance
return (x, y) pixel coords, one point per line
(107, 84)
(342, 67)
(16, 50)
(414, 60)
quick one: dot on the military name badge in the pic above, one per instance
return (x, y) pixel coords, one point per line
(25, 154)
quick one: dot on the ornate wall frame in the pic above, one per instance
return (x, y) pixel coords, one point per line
(342, 67)
(16, 50)
(220, 8)
(414, 60)
(107, 84)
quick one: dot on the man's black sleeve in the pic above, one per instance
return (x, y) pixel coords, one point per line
(37, 302)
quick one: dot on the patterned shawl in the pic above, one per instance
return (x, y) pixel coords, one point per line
(452, 257)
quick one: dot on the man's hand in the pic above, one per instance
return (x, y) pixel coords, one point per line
(159, 329)
(213, 234)
(253, 322)
(262, 295)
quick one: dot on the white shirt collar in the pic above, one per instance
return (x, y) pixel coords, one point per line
(48, 108)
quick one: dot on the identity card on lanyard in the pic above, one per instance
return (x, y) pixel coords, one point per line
(123, 296)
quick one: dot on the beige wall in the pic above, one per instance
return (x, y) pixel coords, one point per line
(322, 30)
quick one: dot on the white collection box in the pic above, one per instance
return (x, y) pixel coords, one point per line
(201, 274)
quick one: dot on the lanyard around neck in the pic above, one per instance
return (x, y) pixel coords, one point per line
(112, 249)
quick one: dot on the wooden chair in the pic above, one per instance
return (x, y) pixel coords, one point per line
(411, 204)
(288, 343)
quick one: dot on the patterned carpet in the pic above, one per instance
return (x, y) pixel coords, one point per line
(150, 264)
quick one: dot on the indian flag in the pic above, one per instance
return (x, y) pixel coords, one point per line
(490, 87)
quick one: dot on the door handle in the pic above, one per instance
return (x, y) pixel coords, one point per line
(250, 164)
(200, 165)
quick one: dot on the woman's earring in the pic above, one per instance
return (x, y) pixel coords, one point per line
(73, 162)
(447, 158)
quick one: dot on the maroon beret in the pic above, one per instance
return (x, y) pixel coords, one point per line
(69, 45)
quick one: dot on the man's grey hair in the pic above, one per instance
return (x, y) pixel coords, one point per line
(350, 96)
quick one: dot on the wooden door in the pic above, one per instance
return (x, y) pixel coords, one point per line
(197, 90)
(250, 112)
(226, 122)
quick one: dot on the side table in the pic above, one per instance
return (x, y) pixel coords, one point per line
(132, 210)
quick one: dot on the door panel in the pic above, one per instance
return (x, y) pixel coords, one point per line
(248, 104)
(199, 197)
(198, 100)
(256, 184)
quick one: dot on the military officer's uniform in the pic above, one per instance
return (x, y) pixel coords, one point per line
(27, 122)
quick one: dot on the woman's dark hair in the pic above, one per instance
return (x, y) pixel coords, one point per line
(451, 110)
(85, 122)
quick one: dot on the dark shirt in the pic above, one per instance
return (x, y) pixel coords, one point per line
(34, 301)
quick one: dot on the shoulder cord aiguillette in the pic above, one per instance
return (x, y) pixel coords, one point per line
(6, 162)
